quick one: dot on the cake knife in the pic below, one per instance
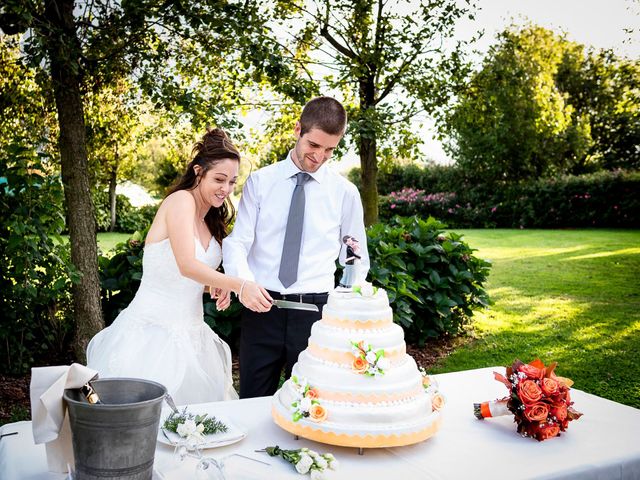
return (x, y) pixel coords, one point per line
(295, 305)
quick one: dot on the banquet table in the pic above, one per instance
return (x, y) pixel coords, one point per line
(603, 444)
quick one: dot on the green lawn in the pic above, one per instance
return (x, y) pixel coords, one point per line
(571, 296)
(106, 241)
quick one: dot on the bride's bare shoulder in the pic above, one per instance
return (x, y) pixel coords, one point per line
(179, 200)
(180, 196)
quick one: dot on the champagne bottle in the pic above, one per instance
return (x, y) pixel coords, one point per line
(90, 394)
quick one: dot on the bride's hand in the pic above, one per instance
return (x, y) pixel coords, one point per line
(254, 297)
(223, 299)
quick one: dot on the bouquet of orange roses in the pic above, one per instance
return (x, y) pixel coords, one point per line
(539, 400)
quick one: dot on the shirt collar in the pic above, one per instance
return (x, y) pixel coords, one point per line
(290, 169)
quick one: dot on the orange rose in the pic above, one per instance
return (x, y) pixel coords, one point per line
(312, 393)
(437, 402)
(532, 372)
(549, 386)
(548, 431)
(317, 413)
(426, 381)
(359, 365)
(536, 412)
(529, 392)
(559, 411)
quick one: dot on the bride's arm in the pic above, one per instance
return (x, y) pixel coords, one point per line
(179, 218)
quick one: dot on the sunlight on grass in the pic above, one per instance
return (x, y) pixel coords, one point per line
(626, 251)
(566, 296)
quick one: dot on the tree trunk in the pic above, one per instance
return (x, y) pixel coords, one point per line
(63, 49)
(369, 178)
(368, 159)
(113, 177)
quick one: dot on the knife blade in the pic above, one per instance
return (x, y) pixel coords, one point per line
(295, 305)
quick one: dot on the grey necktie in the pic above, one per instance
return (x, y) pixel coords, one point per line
(291, 247)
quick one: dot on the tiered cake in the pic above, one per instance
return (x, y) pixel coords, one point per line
(355, 385)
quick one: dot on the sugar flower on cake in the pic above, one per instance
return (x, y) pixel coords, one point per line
(367, 360)
(430, 386)
(307, 403)
(366, 289)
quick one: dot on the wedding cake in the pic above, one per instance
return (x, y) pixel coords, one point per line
(355, 385)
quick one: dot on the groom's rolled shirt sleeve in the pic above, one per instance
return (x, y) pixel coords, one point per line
(235, 247)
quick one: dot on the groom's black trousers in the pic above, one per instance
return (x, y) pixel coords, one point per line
(272, 340)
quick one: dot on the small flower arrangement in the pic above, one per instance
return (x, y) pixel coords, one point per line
(539, 400)
(430, 386)
(366, 290)
(305, 460)
(193, 427)
(307, 404)
(368, 361)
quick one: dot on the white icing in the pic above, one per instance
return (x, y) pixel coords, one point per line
(391, 404)
(371, 414)
(400, 427)
(337, 378)
(355, 307)
(327, 336)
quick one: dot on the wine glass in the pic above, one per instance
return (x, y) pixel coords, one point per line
(210, 469)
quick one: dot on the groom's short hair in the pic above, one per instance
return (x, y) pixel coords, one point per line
(324, 113)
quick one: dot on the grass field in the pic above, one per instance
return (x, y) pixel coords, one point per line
(571, 296)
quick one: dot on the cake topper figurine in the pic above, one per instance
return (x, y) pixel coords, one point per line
(350, 273)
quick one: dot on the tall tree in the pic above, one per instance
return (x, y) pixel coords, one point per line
(388, 59)
(159, 44)
(542, 105)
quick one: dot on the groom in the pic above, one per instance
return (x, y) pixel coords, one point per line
(288, 233)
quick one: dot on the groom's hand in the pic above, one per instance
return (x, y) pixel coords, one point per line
(256, 298)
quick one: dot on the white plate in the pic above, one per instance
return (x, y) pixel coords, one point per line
(232, 435)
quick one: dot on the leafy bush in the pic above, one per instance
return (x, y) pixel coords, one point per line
(433, 280)
(120, 275)
(37, 274)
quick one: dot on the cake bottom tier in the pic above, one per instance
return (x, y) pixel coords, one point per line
(365, 438)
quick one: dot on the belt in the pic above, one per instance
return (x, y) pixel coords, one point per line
(318, 298)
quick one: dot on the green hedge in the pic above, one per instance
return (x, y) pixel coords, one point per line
(604, 199)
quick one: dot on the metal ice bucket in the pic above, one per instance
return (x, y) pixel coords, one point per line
(116, 439)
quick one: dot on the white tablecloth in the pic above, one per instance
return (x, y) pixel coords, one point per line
(603, 444)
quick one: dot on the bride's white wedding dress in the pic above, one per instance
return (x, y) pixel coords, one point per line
(162, 336)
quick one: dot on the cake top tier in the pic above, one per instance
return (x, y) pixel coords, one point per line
(361, 303)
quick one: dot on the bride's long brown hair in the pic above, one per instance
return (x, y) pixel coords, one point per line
(214, 147)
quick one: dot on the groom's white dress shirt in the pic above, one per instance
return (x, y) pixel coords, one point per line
(332, 209)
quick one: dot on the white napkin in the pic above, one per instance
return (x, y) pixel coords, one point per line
(50, 422)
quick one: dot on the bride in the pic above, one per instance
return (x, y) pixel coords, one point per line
(162, 335)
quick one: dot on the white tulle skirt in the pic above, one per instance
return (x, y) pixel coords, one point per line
(188, 358)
